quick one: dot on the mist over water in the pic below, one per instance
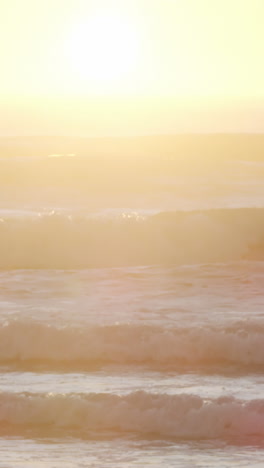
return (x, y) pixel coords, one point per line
(131, 328)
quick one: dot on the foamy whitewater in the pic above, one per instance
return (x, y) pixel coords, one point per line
(131, 330)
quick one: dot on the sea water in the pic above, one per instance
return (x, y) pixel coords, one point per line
(132, 329)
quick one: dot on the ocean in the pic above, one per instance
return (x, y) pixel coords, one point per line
(131, 325)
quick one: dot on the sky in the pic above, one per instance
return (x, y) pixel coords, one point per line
(96, 67)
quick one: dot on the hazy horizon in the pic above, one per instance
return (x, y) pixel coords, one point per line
(134, 67)
(115, 117)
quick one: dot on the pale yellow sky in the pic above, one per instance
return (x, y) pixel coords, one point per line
(150, 52)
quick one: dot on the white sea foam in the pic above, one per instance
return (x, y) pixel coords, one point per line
(240, 345)
(180, 416)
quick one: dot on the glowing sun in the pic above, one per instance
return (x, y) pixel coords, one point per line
(104, 48)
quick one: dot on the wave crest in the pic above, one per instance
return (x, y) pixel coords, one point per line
(240, 345)
(181, 416)
(62, 241)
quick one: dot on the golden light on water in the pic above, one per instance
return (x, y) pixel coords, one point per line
(131, 232)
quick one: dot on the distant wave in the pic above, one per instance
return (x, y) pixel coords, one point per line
(240, 345)
(180, 416)
(63, 241)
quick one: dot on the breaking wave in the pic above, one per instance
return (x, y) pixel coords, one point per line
(61, 241)
(180, 416)
(240, 345)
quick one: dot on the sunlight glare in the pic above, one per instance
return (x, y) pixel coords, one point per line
(104, 49)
